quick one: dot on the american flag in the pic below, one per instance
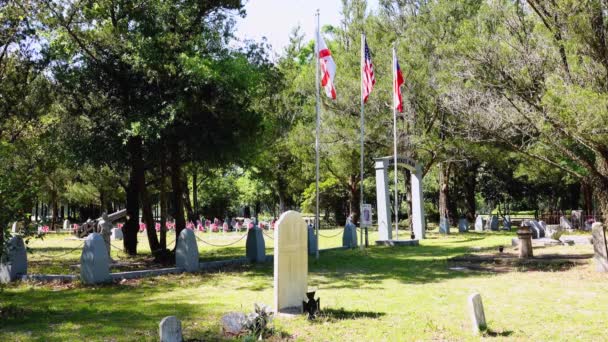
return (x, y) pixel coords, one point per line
(367, 79)
(397, 83)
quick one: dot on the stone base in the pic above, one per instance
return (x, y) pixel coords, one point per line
(290, 312)
(397, 242)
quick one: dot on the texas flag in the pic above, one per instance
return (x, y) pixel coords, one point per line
(397, 83)
(328, 68)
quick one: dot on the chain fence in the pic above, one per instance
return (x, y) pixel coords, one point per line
(216, 245)
(62, 254)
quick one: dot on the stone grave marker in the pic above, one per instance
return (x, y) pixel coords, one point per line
(444, 225)
(479, 223)
(506, 222)
(14, 228)
(290, 263)
(94, 261)
(349, 237)
(14, 264)
(116, 234)
(494, 223)
(565, 223)
(600, 250)
(170, 329)
(66, 224)
(255, 247)
(478, 317)
(463, 225)
(312, 240)
(186, 253)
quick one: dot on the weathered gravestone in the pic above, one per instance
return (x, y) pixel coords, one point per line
(170, 329)
(186, 253)
(463, 225)
(312, 240)
(479, 224)
(565, 223)
(349, 237)
(14, 263)
(506, 222)
(599, 247)
(444, 225)
(116, 234)
(494, 223)
(255, 247)
(478, 317)
(94, 261)
(290, 263)
(66, 224)
(14, 228)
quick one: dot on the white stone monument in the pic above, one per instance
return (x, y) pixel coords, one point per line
(383, 199)
(116, 234)
(94, 261)
(290, 263)
(478, 317)
(186, 252)
(66, 224)
(479, 223)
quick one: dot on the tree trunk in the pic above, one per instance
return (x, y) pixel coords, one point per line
(444, 181)
(131, 226)
(469, 185)
(187, 203)
(163, 205)
(195, 191)
(178, 192)
(587, 192)
(354, 199)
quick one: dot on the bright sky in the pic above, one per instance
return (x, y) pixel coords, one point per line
(274, 19)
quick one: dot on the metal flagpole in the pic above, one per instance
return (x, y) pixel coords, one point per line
(395, 144)
(318, 109)
(362, 146)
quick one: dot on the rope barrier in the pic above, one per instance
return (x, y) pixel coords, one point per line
(268, 235)
(60, 255)
(214, 245)
(329, 237)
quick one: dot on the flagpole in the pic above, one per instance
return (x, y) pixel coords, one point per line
(318, 110)
(395, 146)
(361, 200)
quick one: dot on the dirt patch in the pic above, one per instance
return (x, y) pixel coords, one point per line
(508, 262)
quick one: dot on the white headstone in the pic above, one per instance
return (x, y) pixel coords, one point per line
(478, 317)
(170, 329)
(116, 234)
(66, 224)
(186, 253)
(565, 223)
(479, 224)
(94, 261)
(14, 228)
(290, 263)
(383, 201)
(14, 263)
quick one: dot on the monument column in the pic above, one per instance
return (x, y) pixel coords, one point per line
(417, 204)
(383, 199)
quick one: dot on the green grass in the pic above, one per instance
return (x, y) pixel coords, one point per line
(380, 294)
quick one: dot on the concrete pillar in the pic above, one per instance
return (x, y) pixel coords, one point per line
(385, 230)
(417, 204)
(525, 242)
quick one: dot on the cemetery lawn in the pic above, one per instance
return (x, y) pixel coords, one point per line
(380, 294)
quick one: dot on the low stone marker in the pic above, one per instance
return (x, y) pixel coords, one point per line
(255, 247)
(463, 225)
(116, 234)
(14, 264)
(186, 253)
(565, 223)
(170, 329)
(494, 223)
(290, 263)
(478, 317)
(506, 222)
(66, 224)
(94, 261)
(524, 234)
(312, 240)
(444, 225)
(479, 223)
(233, 323)
(349, 237)
(600, 250)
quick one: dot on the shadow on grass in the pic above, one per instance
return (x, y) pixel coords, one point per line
(333, 315)
(492, 333)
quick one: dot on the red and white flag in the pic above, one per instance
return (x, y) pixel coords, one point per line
(367, 72)
(397, 83)
(328, 68)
